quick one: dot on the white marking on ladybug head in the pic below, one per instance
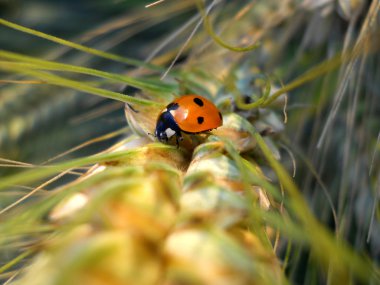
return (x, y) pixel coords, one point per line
(184, 113)
(169, 132)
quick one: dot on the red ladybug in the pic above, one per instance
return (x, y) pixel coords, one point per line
(191, 114)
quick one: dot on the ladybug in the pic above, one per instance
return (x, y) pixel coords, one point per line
(191, 114)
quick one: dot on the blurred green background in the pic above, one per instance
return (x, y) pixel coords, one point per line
(39, 121)
(42, 121)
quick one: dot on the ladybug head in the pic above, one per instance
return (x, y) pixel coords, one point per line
(161, 135)
(166, 127)
(164, 133)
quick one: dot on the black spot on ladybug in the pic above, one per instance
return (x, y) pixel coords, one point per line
(220, 116)
(172, 106)
(198, 101)
(200, 120)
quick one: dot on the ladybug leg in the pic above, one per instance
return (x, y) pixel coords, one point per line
(178, 138)
(153, 135)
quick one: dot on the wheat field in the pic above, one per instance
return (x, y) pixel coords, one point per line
(285, 192)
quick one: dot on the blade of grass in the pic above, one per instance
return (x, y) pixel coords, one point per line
(63, 82)
(89, 50)
(215, 37)
(15, 260)
(39, 173)
(87, 143)
(333, 252)
(50, 65)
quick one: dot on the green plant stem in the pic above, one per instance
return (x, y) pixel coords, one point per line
(215, 37)
(63, 82)
(89, 50)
